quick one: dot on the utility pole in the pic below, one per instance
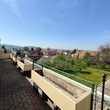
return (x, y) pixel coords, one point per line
(103, 90)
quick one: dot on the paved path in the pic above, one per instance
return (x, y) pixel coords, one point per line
(16, 93)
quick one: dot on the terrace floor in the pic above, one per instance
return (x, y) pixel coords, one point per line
(16, 93)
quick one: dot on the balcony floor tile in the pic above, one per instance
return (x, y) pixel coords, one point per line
(16, 93)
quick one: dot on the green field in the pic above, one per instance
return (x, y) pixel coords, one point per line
(79, 70)
(94, 76)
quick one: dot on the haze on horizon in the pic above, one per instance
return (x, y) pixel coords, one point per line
(69, 24)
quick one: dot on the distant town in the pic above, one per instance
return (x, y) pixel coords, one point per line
(86, 64)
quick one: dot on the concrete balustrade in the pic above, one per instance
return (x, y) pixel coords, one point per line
(62, 98)
(24, 66)
(11, 55)
(4, 55)
(63, 92)
(13, 58)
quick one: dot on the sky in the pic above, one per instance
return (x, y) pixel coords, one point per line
(69, 24)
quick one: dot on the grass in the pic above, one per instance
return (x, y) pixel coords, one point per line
(71, 76)
(87, 77)
(95, 75)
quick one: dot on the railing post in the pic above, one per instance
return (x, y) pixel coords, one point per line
(103, 90)
(95, 101)
(92, 97)
(42, 68)
(33, 64)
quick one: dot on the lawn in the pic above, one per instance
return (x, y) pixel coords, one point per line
(78, 70)
(94, 76)
(90, 76)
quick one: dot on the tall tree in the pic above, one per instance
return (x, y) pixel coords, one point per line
(4, 48)
(104, 53)
(74, 51)
(26, 48)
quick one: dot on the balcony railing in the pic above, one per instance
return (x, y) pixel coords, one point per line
(4, 55)
(62, 91)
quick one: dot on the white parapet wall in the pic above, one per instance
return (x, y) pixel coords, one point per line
(79, 100)
(64, 82)
(4, 55)
(24, 66)
(11, 56)
(14, 59)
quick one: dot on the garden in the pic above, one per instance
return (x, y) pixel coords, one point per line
(80, 70)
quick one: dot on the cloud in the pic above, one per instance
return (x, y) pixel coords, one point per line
(13, 5)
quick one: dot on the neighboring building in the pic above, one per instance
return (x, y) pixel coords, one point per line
(50, 52)
(66, 52)
(82, 53)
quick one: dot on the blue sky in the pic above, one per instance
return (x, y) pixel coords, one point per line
(83, 24)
